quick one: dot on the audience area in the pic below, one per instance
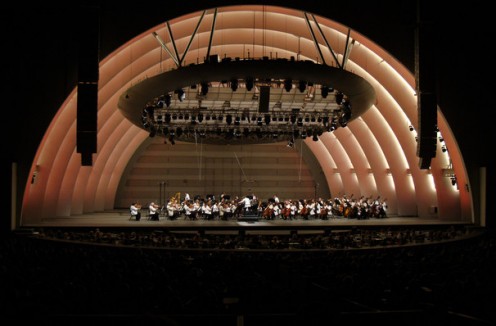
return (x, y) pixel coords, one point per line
(408, 276)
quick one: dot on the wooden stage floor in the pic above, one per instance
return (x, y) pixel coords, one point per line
(120, 219)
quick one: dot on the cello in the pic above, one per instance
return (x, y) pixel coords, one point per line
(268, 212)
(304, 210)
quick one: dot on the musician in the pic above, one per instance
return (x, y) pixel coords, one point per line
(246, 202)
(302, 208)
(286, 210)
(188, 208)
(268, 212)
(207, 210)
(135, 209)
(311, 208)
(171, 208)
(276, 211)
(328, 207)
(294, 209)
(153, 211)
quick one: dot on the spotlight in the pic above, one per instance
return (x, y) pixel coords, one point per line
(267, 119)
(315, 138)
(339, 97)
(290, 144)
(259, 121)
(343, 122)
(444, 149)
(167, 99)
(410, 127)
(234, 84)
(324, 91)
(293, 119)
(249, 83)
(179, 131)
(237, 120)
(180, 94)
(300, 122)
(453, 180)
(302, 85)
(204, 88)
(153, 132)
(288, 84)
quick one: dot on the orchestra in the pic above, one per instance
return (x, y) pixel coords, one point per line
(226, 208)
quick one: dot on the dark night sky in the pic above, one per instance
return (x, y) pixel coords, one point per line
(40, 57)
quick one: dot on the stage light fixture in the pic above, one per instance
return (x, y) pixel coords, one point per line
(181, 95)
(234, 84)
(324, 91)
(302, 85)
(204, 88)
(249, 82)
(288, 84)
(267, 119)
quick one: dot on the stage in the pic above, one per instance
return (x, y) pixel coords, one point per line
(121, 219)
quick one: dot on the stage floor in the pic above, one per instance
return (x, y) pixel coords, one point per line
(120, 219)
